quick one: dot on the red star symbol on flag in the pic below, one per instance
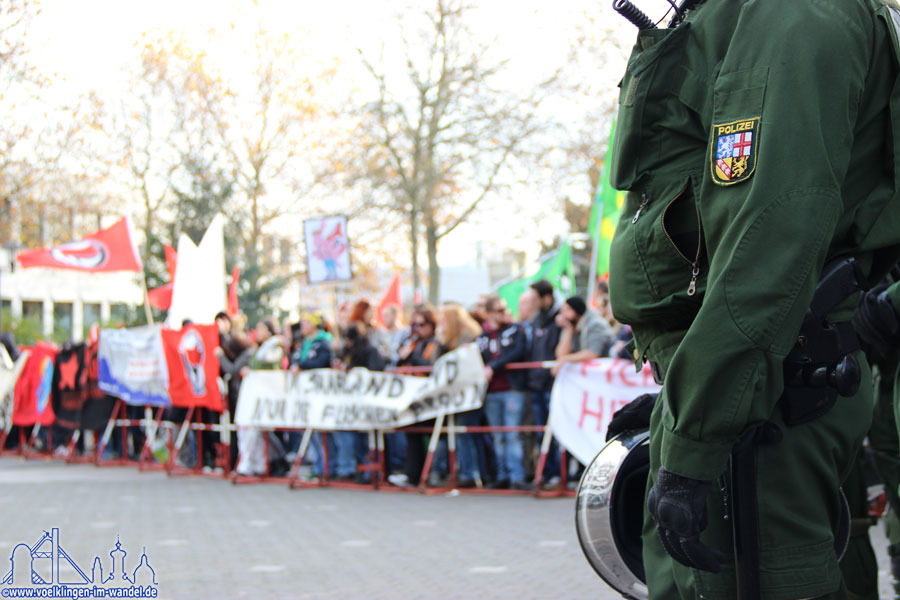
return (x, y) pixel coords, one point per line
(193, 356)
(67, 372)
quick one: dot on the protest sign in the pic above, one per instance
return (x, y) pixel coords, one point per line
(360, 399)
(327, 249)
(584, 398)
(133, 365)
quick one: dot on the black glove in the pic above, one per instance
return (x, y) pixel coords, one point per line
(678, 507)
(876, 321)
(634, 415)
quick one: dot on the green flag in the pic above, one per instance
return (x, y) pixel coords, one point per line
(556, 267)
(605, 212)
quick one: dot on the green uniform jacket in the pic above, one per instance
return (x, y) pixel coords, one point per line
(755, 141)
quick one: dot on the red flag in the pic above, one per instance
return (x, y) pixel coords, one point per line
(391, 296)
(171, 261)
(161, 297)
(106, 250)
(232, 292)
(34, 387)
(193, 366)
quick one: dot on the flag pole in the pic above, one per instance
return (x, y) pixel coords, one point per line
(334, 305)
(592, 277)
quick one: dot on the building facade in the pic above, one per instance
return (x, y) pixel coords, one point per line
(66, 301)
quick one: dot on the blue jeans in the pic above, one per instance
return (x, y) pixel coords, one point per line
(293, 442)
(345, 453)
(540, 408)
(466, 448)
(395, 447)
(315, 454)
(505, 409)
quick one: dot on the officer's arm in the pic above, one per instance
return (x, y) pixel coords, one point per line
(768, 234)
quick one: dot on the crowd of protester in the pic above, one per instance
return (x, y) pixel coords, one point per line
(547, 328)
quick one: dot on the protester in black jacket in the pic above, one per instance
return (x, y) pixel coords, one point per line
(353, 446)
(314, 350)
(544, 338)
(501, 343)
(360, 352)
(420, 347)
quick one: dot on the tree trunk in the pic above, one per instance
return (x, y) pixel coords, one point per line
(414, 246)
(15, 233)
(148, 227)
(434, 269)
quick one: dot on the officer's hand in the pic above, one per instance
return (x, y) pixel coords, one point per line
(634, 415)
(678, 507)
(876, 321)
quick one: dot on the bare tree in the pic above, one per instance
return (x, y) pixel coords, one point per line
(23, 134)
(269, 131)
(187, 125)
(46, 183)
(448, 136)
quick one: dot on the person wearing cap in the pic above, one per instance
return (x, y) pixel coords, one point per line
(584, 334)
(314, 351)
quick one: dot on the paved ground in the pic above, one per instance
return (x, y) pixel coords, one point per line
(208, 539)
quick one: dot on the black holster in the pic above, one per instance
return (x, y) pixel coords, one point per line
(821, 366)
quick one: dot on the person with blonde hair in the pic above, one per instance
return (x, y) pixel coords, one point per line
(456, 327)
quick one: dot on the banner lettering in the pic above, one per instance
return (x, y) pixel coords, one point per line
(360, 399)
(584, 398)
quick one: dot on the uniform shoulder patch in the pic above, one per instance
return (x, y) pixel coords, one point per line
(733, 151)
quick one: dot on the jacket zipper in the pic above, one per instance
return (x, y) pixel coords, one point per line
(695, 263)
(644, 202)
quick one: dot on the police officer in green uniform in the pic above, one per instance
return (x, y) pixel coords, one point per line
(884, 444)
(755, 141)
(878, 324)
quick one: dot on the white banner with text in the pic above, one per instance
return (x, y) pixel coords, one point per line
(359, 399)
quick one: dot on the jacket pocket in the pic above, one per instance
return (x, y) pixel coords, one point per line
(736, 125)
(652, 75)
(657, 263)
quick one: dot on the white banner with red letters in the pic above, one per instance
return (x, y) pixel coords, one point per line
(584, 398)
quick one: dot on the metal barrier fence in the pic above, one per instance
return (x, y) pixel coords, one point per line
(175, 435)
